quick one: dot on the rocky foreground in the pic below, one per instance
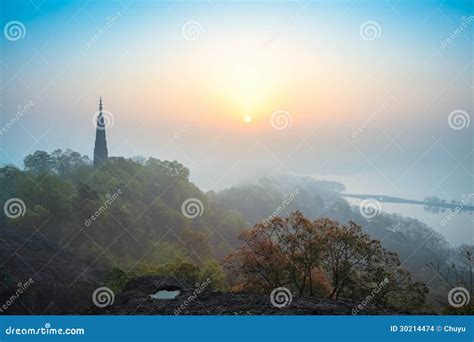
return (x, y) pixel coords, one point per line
(136, 299)
(37, 277)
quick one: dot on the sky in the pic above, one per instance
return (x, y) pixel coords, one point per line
(377, 94)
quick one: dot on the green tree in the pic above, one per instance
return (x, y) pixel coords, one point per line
(39, 162)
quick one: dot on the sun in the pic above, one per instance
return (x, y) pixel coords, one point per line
(248, 119)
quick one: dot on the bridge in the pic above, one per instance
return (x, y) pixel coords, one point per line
(391, 199)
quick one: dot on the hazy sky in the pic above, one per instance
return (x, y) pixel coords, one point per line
(360, 90)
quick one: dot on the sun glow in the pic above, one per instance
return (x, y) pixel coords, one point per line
(246, 86)
(246, 78)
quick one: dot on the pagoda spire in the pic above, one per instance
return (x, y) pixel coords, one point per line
(100, 148)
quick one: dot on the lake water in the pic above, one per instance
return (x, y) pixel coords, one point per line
(457, 229)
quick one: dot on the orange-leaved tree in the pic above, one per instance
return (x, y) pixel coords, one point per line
(280, 252)
(322, 258)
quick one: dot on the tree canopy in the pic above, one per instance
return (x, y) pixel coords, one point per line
(323, 258)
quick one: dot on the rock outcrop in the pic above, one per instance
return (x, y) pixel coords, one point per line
(135, 299)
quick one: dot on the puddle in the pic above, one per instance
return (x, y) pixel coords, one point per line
(164, 294)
